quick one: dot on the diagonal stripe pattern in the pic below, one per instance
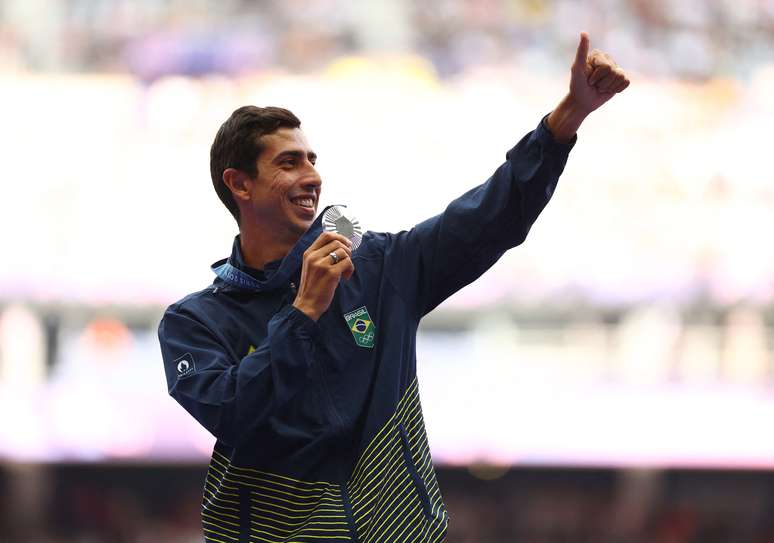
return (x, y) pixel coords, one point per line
(393, 495)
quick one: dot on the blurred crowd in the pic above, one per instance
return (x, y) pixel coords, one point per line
(152, 38)
(486, 505)
(603, 506)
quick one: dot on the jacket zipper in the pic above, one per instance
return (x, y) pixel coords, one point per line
(348, 513)
(419, 484)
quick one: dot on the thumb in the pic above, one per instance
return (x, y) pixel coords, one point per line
(583, 50)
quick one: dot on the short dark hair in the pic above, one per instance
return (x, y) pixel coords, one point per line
(238, 145)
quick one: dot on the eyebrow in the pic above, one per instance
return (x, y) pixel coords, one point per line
(312, 156)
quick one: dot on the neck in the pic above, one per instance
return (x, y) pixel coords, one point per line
(259, 247)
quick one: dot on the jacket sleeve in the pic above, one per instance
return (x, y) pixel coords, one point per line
(228, 396)
(441, 255)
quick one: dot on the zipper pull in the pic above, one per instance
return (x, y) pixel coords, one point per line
(293, 287)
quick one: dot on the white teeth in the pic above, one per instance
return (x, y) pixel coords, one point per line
(304, 202)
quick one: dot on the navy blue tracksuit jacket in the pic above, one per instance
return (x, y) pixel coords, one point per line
(319, 428)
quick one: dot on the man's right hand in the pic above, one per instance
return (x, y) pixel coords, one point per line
(320, 276)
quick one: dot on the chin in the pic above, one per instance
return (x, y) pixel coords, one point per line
(301, 227)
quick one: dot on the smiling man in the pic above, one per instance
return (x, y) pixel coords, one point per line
(300, 357)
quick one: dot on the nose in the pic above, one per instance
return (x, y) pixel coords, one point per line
(312, 179)
(311, 183)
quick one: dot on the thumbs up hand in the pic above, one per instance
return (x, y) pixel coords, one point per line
(595, 77)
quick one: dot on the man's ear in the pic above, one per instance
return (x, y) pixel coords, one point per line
(238, 182)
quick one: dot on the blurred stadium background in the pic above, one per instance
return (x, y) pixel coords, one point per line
(612, 380)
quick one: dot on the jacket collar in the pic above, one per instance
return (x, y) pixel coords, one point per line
(277, 274)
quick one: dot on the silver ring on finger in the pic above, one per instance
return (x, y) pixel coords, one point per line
(334, 257)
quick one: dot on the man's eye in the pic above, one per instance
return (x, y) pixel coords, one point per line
(288, 162)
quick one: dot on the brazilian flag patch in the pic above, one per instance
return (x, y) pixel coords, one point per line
(362, 327)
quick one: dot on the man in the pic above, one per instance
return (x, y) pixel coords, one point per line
(300, 357)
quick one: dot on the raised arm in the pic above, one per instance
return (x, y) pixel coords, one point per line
(443, 254)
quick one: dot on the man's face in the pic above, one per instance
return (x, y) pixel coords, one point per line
(287, 190)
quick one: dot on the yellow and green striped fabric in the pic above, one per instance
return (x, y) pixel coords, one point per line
(392, 495)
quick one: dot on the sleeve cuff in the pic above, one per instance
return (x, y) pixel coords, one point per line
(545, 137)
(302, 324)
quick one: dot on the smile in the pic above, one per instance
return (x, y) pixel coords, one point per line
(304, 202)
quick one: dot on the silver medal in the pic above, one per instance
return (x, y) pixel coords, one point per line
(338, 219)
